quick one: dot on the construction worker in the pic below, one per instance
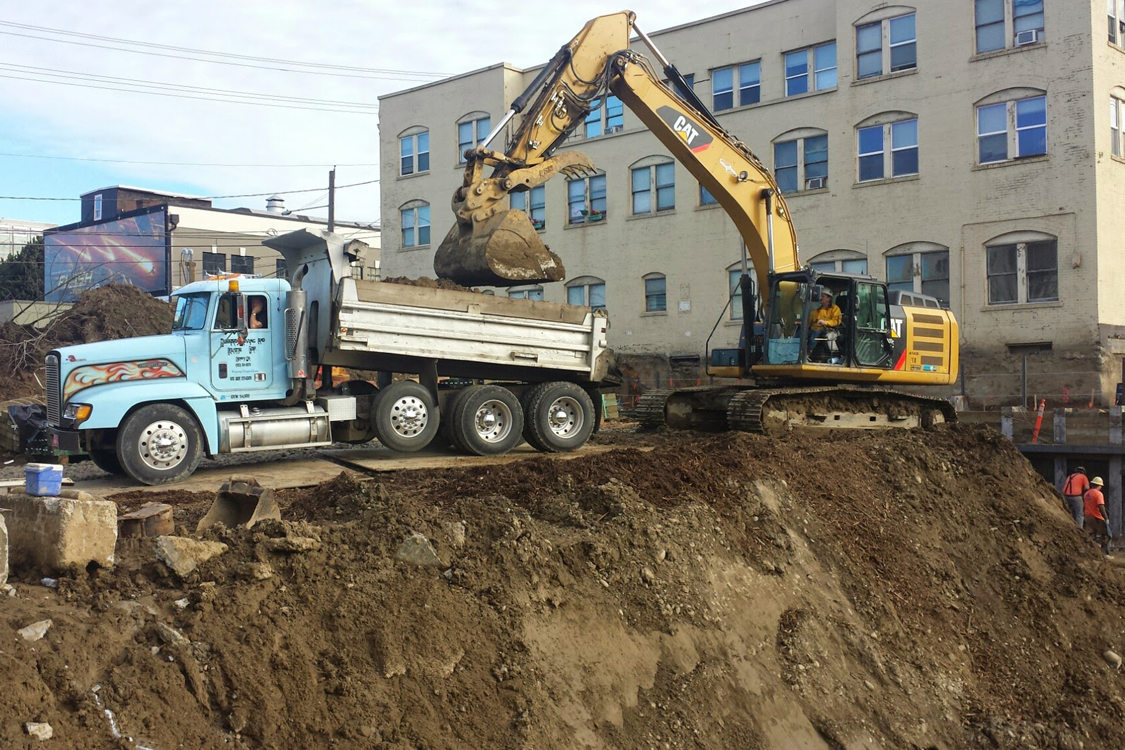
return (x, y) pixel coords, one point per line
(826, 316)
(1074, 489)
(1095, 520)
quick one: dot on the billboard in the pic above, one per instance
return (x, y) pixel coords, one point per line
(130, 250)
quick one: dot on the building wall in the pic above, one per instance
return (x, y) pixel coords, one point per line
(15, 234)
(953, 202)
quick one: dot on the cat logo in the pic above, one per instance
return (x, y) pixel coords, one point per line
(693, 134)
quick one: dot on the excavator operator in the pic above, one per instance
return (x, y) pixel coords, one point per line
(823, 318)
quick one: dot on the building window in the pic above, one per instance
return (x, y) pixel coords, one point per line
(812, 69)
(214, 263)
(98, 207)
(657, 180)
(656, 297)
(242, 264)
(746, 79)
(585, 199)
(1116, 10)
(604, 119)
(533, 203)
(923, 271)
(801, 163)
(734, 274)
(705, 197)
(1116, 118)
(415, 224)
(529, 292)
(414, 153)
(840, 261)
(1004, 23)
(587, 291)
(877, 161)
(1023, 272)
(1012, 130)
(470, 133)
(887, 45)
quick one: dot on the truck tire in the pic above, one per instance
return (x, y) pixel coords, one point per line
(560, 417)
(405, 416)
(487, 420)
(446, 430)
(159, 443)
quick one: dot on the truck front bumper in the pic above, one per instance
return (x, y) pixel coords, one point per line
(65, 441)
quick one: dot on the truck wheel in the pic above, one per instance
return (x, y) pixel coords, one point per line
(560, 417)
(487, 420)
(448, 434)
(159, 443)
(405, 416)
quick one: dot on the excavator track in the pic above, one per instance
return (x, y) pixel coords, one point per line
(770, 410)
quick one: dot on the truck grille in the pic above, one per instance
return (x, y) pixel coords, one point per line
(53, 393)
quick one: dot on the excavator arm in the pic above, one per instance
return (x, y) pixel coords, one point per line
(492, 244)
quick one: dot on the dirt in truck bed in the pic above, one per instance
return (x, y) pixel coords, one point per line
(918, 589)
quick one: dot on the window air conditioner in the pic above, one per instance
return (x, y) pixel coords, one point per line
(612, 129)
(1031, 36)
(814, 183)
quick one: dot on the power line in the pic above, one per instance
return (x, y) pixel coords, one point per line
(191, 163)
(207, 197)
(141, 85)
(184, 96)
(343, 71)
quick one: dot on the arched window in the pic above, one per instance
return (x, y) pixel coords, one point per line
(414, 151)
(656, 292)
(526, 292)
(415, 218)
(585, 199)
(800, 160)
(885, 42)
(921, 267)
(586, 290)
(839, 261)
(652, 185)
(1022, 267)
(1011, 124)
(471, 130)
(734, 276)
(887, 146)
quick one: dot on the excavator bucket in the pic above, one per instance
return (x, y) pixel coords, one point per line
(240, 502)
(503, 250)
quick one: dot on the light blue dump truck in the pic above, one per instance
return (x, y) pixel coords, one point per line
(242, 369)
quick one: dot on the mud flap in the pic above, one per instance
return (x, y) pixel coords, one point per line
(241, 501)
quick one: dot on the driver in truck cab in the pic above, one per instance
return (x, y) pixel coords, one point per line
(826, 316)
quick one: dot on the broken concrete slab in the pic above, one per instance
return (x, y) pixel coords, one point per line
(183, 555)
(59, 532)
(35, 631)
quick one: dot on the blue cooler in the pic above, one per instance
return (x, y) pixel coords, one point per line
(43, 479)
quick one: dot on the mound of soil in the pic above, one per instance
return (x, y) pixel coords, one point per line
(113, 311)
(922, 589)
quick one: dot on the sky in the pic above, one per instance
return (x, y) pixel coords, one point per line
(241, 100)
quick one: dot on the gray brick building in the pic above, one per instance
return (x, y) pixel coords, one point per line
(969, 149)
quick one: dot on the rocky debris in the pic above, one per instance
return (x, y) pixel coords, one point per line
(39, 730)
(417, 550)
(289, 545)
(1112, 658)
(183, 554)
(35, 631)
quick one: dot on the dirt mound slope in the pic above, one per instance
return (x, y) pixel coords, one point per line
(917, 590)
(112, 311)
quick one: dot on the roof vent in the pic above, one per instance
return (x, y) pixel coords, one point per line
(275, 204)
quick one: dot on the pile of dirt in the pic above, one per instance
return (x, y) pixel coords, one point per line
(921, 589)
(428, 283)
(113, 311)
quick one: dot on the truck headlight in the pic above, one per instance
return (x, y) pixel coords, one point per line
(77, 413)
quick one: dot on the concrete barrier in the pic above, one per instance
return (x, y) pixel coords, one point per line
(56, 533)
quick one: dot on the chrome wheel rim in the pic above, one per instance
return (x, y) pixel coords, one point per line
(163, 445)
(409, 416)
(493, 421)
(565, 417)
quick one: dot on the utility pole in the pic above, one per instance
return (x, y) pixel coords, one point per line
(332, 199)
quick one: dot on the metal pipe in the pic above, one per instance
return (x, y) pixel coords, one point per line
(496, 130)
(767, 196)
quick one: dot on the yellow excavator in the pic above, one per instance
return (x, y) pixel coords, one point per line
(817, 349)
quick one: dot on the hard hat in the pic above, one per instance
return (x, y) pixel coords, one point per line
(1097, 481)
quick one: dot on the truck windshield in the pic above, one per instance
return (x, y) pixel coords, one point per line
(191, 312)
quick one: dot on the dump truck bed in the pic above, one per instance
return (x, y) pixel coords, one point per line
(468, 333)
